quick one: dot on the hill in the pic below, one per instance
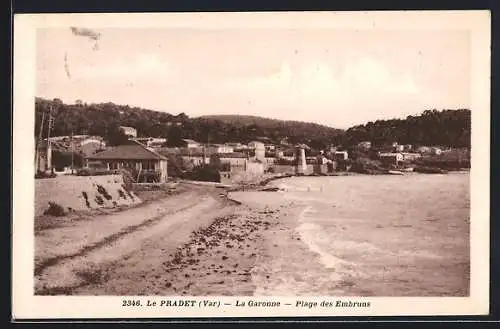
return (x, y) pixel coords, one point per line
(449, 128)
(103, 119)
(243, 120)
(276, 129)
(432, 127)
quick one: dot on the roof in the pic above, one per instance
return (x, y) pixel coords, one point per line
(303, 146)
(127, 127)
(190, 141)
(233, 155)
(389, 154)
(130, 151)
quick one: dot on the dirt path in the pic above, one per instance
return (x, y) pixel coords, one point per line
(76, 256)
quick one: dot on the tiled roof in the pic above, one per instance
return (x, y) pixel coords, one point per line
(130, 151)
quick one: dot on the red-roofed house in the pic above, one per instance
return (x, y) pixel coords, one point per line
(131, 155)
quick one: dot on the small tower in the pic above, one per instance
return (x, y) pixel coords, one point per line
(301, 159)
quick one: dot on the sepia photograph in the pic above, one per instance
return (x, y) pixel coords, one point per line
(269, 163)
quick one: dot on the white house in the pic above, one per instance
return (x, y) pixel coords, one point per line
(189, 143)
(256, 145)
(151, 141)
(129, 131)
(392, 158)
(340, 155)
(219, 148)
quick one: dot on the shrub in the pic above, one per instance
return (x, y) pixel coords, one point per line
(286, 162)
(129, 176)
(54, 210)
(149, 177)
(207, 173)
(42, 174)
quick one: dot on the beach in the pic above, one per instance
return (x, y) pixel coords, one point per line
(305, 239)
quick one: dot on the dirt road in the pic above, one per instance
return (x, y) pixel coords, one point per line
(72, 259)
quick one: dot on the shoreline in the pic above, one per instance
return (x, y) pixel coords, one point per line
(245, 241)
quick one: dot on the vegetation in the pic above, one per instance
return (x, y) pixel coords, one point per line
(104, 120)
(54, 209)
(42, 174)
(206, 173)
(446, 128)
(61, 159)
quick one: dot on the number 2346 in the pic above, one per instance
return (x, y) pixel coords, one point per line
(129, 302)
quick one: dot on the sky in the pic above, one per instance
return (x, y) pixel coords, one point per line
(338, 78)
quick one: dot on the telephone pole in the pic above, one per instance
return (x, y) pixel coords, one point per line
(49, 143)
(72, 152)
(38, 142)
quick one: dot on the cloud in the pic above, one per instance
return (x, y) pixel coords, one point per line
(143, 66)
(316, 83)
(370, 76)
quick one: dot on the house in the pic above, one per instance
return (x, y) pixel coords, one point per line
(189, 143)
(77, 143)
(129, 131)
(340, 155)
(256, 145)
(270, 147)
(392, 158)
(235, 145)
(133, 155)
(91, 146)
(234, 159)
(411, 156)
(151, 141)
(219, 148)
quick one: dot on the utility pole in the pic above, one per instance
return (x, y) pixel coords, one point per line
(38, 142)
(72, 152)
(49, 143)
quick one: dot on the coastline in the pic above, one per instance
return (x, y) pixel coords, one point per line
(243, 240)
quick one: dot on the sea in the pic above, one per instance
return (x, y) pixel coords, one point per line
(378, 235)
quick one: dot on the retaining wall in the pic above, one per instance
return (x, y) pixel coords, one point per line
(69, 192)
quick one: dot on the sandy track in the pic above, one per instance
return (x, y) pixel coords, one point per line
(76, 256)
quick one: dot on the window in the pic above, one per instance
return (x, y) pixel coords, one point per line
(113, 165)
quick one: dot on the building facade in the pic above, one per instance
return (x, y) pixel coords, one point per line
(132, 155)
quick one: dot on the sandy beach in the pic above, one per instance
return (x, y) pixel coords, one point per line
(255, 241)
(197, 242)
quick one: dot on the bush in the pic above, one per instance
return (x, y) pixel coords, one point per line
(206, 173)
(54, 210)
(149, 177)
(42, 174)
(95, 172)
(286, 162)
(129, 177)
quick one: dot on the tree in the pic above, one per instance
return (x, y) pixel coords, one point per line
(174, 137)
(115, 136)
